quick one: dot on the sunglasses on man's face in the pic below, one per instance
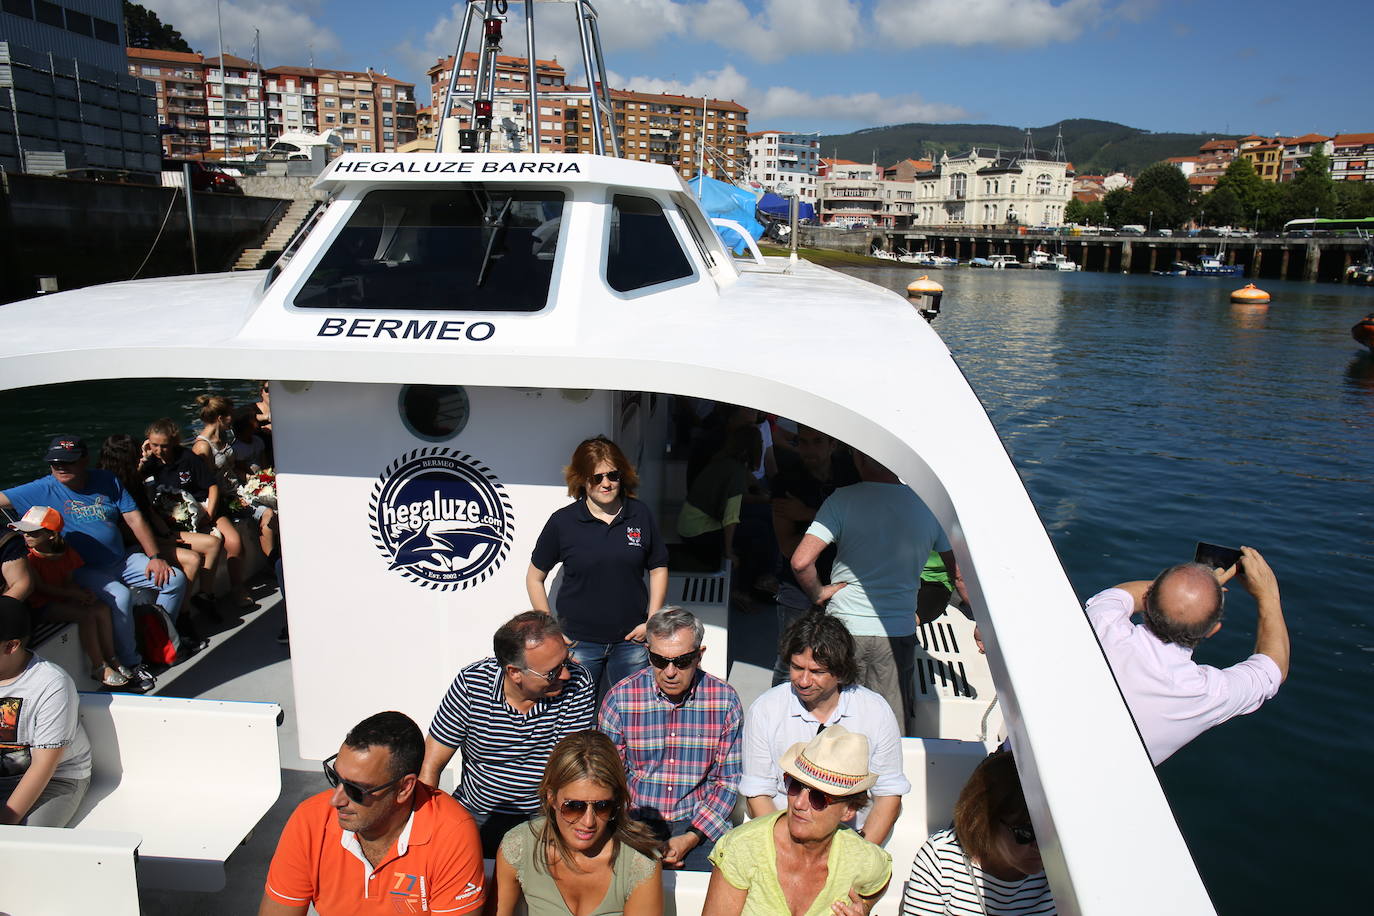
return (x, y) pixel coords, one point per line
(612, 476)
(818, 800)
(355, 792)
(1023, 834)
(551, 676)
(572, 809)
(682, 662)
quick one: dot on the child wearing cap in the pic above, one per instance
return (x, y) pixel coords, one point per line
(56, 598)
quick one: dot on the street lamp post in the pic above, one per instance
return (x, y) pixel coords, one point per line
(1150, 223)
(1255, 225)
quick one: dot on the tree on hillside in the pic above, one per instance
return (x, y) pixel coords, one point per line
(1113, 205)
(1244, 182)
(1160, 198)
(1312, 192)
(145, 30)
(1354, 199)
(1086, 212)
(1221, 207)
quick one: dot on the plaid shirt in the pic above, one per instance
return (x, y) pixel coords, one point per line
(682, 759)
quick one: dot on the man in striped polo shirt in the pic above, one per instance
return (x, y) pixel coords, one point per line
(678, 729)
(506, 713)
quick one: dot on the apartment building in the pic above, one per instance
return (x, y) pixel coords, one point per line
(907, 169)
(1265, 155)
(510, 115)
(1352, 157)
(851, 194)
(370, 112)
(1296, 151)
(669, 129)
(181, 107)
(234, 103)
(785, 163)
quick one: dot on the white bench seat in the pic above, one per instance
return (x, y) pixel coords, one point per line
(191, 777)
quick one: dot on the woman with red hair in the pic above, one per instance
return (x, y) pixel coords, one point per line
(606, 540)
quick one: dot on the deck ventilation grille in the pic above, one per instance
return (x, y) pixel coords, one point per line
(941, 678)
(708, 589)
(938, 637)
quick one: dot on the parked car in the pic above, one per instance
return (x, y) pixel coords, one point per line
(1164, 232)
(116, 176)
(1132, 229)
(205, 176)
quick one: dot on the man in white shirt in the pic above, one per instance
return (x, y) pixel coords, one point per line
(1172, 698)
(821, 693)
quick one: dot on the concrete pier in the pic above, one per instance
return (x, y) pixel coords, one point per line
(1314, 260)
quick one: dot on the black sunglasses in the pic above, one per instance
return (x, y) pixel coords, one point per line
(818, 800)
(683, 662)
(612, 476)
(355, 792)
(552, 675)
(1023, 834)
(573, 808)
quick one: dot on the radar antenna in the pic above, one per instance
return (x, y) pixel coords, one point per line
(469, 107)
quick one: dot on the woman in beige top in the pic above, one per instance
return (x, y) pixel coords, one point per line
(583, 856)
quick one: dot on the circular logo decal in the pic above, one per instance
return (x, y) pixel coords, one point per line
(441, 518)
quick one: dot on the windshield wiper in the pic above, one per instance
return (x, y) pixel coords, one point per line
(497, 227)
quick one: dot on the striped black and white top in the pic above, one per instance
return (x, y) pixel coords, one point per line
(941, 885)
(504, 751)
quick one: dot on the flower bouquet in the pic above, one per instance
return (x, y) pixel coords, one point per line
(181, 510)
(260, 489)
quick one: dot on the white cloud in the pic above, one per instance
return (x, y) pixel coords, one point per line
(289, 34)
(780, 28)
(963, 23)
(786, 108)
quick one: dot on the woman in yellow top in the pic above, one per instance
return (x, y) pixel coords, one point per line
(799, 861)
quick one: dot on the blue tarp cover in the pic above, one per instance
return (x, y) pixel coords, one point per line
(726, 201)
(774, 205)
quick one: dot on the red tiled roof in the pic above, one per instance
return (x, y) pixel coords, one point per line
(841, 161)
(238, 63)
(503, 61)
(1306, 138)
(1178, 159)
(1217, 145)
(148, 54)
(1354, 139)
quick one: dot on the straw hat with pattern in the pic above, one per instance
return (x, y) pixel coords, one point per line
(835, 761)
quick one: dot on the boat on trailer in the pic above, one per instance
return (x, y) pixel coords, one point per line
(450, 325)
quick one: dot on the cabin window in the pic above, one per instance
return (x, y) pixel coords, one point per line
(643, 249)
(435, 413)
(474, 248)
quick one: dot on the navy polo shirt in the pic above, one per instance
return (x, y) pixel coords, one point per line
(603, 595)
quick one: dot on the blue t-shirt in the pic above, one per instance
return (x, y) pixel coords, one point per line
(884, 533)
(89, 514)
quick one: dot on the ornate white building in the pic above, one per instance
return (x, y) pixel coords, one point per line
(994, 189)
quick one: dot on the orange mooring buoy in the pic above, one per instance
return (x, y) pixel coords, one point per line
(1250, 294)
(927, 294)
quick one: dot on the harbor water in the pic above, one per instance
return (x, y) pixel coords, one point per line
(1147, 413)
(1144, 414)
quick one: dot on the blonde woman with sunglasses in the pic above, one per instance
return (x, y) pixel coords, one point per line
(583, 856)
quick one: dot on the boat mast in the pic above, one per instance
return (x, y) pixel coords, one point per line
(477, 99)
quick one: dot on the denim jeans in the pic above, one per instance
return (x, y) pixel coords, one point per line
(112, 584)
(618, 659)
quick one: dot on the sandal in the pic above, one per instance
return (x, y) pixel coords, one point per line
(109, 676)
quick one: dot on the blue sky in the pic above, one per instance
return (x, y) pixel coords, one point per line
(840, 65)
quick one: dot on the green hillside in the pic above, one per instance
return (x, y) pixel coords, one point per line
(1094, 147)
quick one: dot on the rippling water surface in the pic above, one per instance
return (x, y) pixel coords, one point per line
(1147, 413)
(1144, 414)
